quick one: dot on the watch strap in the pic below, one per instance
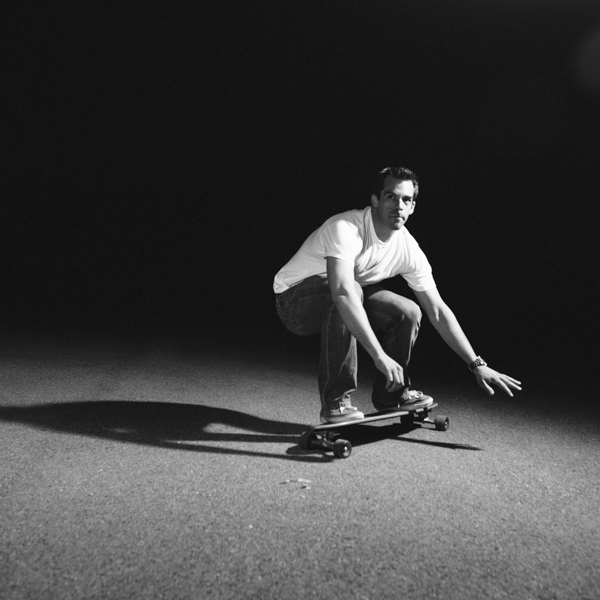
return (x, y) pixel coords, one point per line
(478, 362)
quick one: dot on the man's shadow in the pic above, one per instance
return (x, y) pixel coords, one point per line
(161, 424)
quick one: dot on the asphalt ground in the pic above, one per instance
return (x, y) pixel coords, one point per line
(159, 468)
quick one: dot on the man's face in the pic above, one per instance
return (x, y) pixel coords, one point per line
(394, 205)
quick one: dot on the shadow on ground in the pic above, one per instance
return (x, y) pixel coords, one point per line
(160, 424)
(361, 435)
(368, 435)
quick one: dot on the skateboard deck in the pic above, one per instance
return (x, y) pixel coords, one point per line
(325, 435)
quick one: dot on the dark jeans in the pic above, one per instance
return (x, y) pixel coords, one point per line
(308, 309)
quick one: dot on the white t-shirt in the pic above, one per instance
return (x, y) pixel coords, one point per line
(350, 236)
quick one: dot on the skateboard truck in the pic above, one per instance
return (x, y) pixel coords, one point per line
(327, 437)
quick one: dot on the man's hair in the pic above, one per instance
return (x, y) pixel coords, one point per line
(400, 173)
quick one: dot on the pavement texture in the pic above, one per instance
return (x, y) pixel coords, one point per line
(163, 469)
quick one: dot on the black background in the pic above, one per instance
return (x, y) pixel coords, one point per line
(162, 161)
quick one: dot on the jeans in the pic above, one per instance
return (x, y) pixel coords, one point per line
(308, 309)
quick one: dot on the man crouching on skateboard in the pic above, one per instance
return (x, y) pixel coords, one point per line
(332, 285)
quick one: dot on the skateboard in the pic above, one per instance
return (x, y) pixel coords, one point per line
(326, 436)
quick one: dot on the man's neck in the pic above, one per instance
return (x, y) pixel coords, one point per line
(382, 233)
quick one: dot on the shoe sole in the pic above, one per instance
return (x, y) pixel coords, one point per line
(334, 420)
(410, 406)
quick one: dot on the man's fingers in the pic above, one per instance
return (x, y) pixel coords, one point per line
(504, 382)
(484, 384)
(395, 381)
(394, 386)
(515, 383)
(510, 382)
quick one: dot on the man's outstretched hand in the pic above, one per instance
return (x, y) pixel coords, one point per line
(487, 377)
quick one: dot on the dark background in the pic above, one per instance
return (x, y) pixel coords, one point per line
(162, 161)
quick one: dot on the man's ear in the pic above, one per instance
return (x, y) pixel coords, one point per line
(374, 200)
(412, 208)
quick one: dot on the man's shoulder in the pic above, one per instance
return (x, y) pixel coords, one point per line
(355, 217)
(407, 237)
(409, 243)
(343, 231)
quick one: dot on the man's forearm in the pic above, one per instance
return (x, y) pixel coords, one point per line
(355, 318)
(446, 324)
(451, 332)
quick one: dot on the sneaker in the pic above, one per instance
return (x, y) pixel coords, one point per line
(340, 413)
(408, 400)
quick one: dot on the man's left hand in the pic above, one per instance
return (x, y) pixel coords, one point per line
(486, 376)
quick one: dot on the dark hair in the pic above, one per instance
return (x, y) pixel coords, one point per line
(401, 173)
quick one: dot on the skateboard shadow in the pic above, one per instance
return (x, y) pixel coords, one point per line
(394, 431)
(362, 435)
(161, 424)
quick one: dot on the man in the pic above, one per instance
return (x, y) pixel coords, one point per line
(332, 285)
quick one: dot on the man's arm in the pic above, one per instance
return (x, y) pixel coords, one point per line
(347, 297)
(447, 326)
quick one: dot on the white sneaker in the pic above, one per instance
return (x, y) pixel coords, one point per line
(409, 400)
(341, 414)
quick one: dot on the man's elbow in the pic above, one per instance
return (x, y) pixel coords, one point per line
(347, 295)
(434, 316)
(435, 313)
(340, 297)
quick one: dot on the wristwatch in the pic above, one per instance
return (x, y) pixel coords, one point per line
(478, 362)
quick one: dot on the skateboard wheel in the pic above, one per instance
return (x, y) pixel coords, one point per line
(342, 448)
(306, 440)
(442, 423)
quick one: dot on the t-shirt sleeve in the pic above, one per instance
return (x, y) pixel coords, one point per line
(420, 275)
(342, 240)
